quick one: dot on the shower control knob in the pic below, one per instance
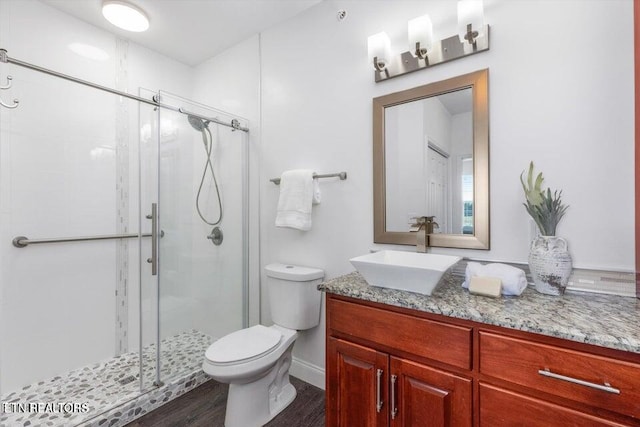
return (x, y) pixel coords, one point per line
(216, 236)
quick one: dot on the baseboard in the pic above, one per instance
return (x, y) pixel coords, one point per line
(307, 372)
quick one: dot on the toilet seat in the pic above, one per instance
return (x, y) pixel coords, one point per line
(243, 346)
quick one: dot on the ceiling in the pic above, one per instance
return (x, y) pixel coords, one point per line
(192, 31)
(457, 102)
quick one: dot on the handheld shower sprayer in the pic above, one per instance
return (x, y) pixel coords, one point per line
(197, 123)
(202, 126)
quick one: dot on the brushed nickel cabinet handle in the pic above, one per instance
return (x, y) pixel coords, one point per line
(379, 373)
(604, 387)
(394, 409)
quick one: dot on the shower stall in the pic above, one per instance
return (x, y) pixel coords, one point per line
(123, 245)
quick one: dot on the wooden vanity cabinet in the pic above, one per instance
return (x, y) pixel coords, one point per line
(372, 388)
(368, 386)
(389, 366)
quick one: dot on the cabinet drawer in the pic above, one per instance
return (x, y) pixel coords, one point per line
(500, 407)
(425, 338)
(520, 361)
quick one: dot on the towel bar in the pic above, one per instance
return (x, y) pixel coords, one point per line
(341, 175)
(23, 242)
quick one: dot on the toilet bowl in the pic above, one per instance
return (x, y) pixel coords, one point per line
(255, 361)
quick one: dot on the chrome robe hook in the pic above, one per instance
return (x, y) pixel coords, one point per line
(15, 104)
(7, 86)
(9, 78)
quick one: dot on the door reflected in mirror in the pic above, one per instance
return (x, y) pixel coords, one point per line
(429, 162)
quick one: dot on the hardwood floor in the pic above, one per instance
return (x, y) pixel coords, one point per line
(205, 407)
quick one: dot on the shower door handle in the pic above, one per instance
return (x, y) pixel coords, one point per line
(154, 239)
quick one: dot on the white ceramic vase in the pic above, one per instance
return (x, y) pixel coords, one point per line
(550, 264)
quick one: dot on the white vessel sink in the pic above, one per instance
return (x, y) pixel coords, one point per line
(409, 271)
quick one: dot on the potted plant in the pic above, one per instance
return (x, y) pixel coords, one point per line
(549, 259)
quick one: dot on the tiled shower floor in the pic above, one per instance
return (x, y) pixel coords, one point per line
(102, 386)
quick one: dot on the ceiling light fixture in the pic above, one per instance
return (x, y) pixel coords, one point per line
(125, 15)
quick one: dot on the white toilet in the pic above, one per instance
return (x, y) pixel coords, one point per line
(255, 361)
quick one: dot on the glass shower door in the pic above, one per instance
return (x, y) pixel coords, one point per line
(68, 290)
(202, 259)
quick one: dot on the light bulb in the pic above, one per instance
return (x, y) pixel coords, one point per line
(470, 12)
(379, 50)
(420, 31)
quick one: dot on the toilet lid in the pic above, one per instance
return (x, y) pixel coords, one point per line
(244, 344)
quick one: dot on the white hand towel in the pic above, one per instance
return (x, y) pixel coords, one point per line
(514, 280)
(316, 192)
(296, 197)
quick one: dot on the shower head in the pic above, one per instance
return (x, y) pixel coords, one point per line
(197, 123)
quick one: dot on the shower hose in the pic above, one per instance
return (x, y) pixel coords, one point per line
(207, 139)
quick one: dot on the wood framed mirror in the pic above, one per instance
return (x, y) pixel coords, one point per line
(431, 158)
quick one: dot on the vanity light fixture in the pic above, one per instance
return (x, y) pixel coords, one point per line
(424, 52)
(421, 35)
(125, 15)
(470, 20)
(379, 47)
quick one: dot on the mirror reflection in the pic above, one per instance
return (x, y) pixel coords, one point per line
(429, 162)
(431, 159)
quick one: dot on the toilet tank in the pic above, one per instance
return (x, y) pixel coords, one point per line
(293, 295)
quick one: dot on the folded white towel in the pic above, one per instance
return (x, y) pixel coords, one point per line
(296, 197)
(316, 192)
(514, 280)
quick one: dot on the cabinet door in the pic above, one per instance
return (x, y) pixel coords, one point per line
(425, 396)
(357, 384)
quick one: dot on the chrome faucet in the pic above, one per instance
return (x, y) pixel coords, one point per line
(424, 226)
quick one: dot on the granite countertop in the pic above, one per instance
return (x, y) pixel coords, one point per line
(604, 320)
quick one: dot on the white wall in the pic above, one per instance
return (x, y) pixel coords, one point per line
(560, 96)
(405, 182)
(437, 123)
